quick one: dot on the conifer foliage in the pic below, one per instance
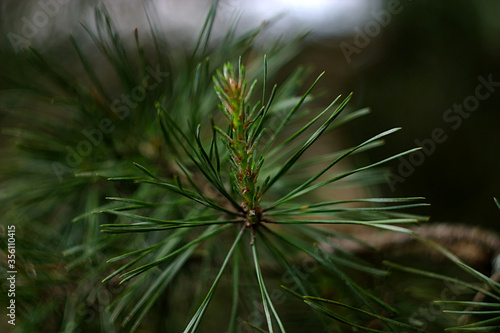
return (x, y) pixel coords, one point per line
(174, 201)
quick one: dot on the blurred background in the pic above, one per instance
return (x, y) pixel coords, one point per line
(432, 68)
(413, 63)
